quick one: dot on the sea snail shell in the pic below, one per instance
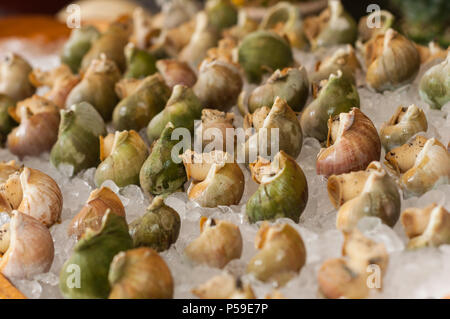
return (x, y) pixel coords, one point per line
(219, 242)
(91, 215)
(218, 180)
(365, 193)
(429, 226)
(35, 194)
(406, 122)
(348, 276)
(224, 286)
(38, 128)
(353, 143)
(281, 255)
(30, 248)
(392, 60)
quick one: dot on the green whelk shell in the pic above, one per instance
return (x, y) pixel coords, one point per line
(221, 13)
(435, 85)
(97, 87)
(123, 163)
(137, 109)
(182, 109)
(6, 122)
(110, 43)
(78, 137)
(91, 259)
(283, 190)
(158, 228)
(160, 175)
(290, 84)
(78, 45)
(338, 95)
(263, 51)
(140, 63)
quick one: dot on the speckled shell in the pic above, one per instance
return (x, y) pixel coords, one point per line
(403, 124)
(356, 144)
(30, 250)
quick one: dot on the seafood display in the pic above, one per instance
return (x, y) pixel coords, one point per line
(210, 153)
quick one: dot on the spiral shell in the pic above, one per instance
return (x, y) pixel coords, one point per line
(214, 127)
(78, 138)
(140, 105)
(279, 124)
(392, 61)
(204, 37)
(337, 94)
(281, 255)
(353, 143)
(223, 183)
(365, 193)
(158, 228)
(160, 174)
(286, 20)
(283, 190)
(140, 63)
(431, 168)
(176, 72)
(290, 84)
(14, 82)
(434, 87)
(219, 242)
(343, 60)
(333, 26)
(182, 108)
(348, 276)
(263, 51)
(60, 80)
(78, 45)
(224, 286)
(91, 259)
(97, 87)
(429, 226)
(99, 202)
(403, 124)
(32, 193)
(111, 43)
(30, 248)
(123, 164)
(219, 84)
(140, 274)
(38, 128)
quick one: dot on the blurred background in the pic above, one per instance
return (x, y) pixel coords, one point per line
(422, 20)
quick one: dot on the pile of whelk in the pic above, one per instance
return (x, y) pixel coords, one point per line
(141, 74)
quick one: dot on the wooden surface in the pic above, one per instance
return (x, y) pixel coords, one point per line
(8, 291)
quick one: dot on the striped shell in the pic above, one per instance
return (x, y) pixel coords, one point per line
(31, 249)
(355, 143)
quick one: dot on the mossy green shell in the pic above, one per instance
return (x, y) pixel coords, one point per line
(91, 259)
